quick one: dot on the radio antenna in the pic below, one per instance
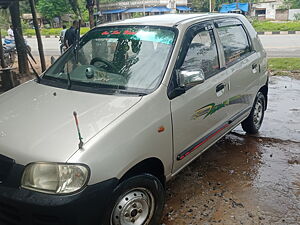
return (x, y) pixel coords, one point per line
(78, 131)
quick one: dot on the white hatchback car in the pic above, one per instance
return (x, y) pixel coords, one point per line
(94, 140)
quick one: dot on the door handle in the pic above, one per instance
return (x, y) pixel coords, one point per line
(254, 68)
(220, 87)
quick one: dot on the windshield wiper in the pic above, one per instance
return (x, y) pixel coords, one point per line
(130, 92)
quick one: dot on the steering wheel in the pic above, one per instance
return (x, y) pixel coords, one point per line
(112, 67)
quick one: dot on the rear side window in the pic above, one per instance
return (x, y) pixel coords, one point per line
(234, 41)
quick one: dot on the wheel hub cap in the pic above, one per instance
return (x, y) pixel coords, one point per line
(135, 207)
(258, 112)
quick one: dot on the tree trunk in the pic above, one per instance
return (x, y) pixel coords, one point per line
(98, 5)
(38, 35)
(19, 39)
(2, 61)
(91, 16)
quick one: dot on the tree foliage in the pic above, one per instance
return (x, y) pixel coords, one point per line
(24, 7)
(293, 4)
(53, 8)
(4, 18)
(76, 6)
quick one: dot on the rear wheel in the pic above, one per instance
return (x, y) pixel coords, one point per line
(9, 59)
(253, 122)
(138, 200)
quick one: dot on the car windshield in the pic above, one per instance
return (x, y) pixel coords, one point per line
(122, 58)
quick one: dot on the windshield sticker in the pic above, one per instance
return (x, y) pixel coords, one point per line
(129, 32)
(165, 37)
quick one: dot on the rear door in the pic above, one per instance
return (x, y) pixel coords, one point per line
(198, 114)
(242, 65)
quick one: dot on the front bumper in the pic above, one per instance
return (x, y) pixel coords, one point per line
(24, 207)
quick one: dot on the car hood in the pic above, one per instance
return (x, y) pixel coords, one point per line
(37, 122)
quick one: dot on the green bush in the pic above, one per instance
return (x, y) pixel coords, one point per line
(297, 16)
(261, 26)
(45, 32)
(52, 31)
(3, 33)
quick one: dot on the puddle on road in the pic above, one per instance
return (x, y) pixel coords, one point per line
(282, 119)
(240, 180)
(243, 179)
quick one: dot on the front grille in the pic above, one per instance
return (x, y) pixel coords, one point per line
(45, 220)
(9, 215)
(6, 165)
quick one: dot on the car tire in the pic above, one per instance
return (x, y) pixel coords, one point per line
(253, 122)
(138, 200)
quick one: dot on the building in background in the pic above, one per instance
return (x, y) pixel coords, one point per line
(294, 14)
(270, 10)
(276, 10)
(27, 18)
(130, 9)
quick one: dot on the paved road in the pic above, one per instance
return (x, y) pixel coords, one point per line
(51, 46)
(276, 45)
(281, 45)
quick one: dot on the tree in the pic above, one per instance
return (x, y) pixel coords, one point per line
(4, 18)
(292, 4)
(38, 35)
(19, 39)
(79, 8)
(200, 5)
(98, 5)
(76, 7)
(53, 8)
(24, 7)
(90, 7)
(2, 61)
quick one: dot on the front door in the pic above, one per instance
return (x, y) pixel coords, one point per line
(199, 114)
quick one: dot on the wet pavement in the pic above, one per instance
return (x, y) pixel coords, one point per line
(246, 179)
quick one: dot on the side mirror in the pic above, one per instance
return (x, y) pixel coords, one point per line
(190, 78)
(53, 59)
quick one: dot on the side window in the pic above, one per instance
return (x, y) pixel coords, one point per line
(234, 41)
(202, 54)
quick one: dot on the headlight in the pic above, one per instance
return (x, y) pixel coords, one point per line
(55, 178)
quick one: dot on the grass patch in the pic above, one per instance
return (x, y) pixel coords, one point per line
(261, 26)
(52, 31)
(284, 64)
(46, 32)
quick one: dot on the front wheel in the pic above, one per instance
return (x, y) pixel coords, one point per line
(253, 122)
(138, 200)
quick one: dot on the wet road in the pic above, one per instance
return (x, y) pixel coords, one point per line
(275, 45)
(246, 179)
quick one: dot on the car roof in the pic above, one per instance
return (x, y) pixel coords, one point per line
(168, 20)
